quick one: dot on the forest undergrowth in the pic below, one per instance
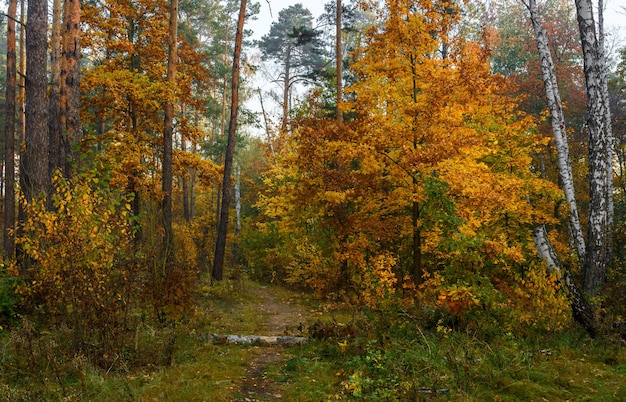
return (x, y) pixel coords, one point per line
(353, 354)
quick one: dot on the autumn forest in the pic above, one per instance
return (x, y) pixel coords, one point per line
(427, 198)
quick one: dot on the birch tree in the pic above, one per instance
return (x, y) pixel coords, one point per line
(558, 128)
(597, 256)
(594, 253)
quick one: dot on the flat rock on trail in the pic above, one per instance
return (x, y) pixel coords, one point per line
(279, 318)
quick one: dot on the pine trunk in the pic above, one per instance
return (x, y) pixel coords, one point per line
(70, 86)
(286, 83)
(168, 130)
(9, 135)
(22, 74)
(35, 178)
(220, 246)
(54, 104)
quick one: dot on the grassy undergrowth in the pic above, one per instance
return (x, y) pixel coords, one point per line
(355, 355)
(175, 362)
(401, 361)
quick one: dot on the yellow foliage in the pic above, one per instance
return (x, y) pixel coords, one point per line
(378, 283)
(432, 174)
(538, 302)
(79, 257)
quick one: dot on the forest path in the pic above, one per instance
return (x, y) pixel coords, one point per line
(277, 316)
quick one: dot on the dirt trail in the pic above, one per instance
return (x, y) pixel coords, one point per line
(281, 318)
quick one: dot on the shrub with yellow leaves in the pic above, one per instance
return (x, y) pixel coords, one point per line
(77, 249)
(378, 284)
(539, 303)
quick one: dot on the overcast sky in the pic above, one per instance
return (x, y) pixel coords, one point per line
(615, 15)
(262, 25)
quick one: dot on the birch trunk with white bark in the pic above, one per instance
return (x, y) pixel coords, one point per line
(581, 310)
(609, 131)
(596, 262)
(558, 128)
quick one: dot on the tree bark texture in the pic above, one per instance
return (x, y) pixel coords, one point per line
(70, 86)
(609, 132)
(168, 129)
(220, 244)
(35, 177)
(54, 102)
(418, 271)
(9, 135)
(596, 262)
(22, 73)
(286, 84)
(558, 129)
(581, 310)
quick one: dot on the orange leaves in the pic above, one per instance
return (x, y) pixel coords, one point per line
(429, 180)
(458, 299)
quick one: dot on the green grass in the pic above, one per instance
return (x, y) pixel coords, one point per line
(372, 358)
(399, 364)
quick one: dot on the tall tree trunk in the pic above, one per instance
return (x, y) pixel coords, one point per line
(168, 130)
(237, 197)
(9, 135)
(595, 265)
(193, 173)
(134, 176)
(339, 60)
(22, 73)
(36, 181)
(54, 106)
(286, 83)
(70, 85)
(418, 271)
(185, 178)
(609, 133)
(21, 135)
(220, 246)
(559, 130)
(582, 311)
(222, 131)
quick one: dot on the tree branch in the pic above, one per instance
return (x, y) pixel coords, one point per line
(13, 19)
